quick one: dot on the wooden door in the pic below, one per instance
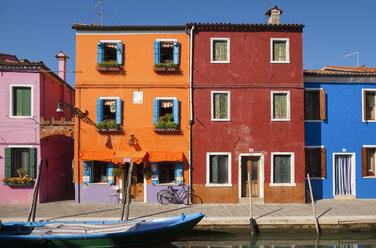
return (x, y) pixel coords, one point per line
(254, 163)
(137, 186)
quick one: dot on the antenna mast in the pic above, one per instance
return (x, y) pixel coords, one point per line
(266, 6)
(357, 57)
(101, 11)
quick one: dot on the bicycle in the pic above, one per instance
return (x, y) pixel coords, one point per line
(171, 195)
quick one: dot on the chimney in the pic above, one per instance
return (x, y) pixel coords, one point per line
(62, 64)
(274, 15)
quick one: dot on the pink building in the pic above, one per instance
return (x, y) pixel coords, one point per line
(29, 132)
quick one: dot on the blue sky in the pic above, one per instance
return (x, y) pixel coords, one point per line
(38, 29)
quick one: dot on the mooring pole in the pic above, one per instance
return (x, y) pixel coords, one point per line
(313, 206)
(128, 197)
(33, 204)
(251, 220)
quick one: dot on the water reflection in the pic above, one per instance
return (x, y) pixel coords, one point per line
(242, 239)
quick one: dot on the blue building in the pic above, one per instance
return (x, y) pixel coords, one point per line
(340, 131)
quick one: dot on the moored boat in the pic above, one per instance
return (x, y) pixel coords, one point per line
(133, 233)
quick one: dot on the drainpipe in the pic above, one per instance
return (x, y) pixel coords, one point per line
(190, 103)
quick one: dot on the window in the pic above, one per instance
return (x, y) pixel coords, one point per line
(369, 104)
(220, 110)
(163, 106)
(97, 172)
(166, 51)
(110, 51)
(220, 50)
(314, 104)
(218, 169)
(20, 157)
(282, 169)
(280, 105)
(279, 50)
(315, 158)
(109, 109)
(21, 101)
(167, 172)
(368, 161)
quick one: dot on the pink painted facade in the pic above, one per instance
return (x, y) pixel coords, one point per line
(24, 131)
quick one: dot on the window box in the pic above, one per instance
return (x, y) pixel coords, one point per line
(162, 67)
(108, 126)
(14, 181)
(107, 66)
(165, 129)
(165, 124)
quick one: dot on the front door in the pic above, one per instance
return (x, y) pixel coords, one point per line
(254, 163)
(344, 175)
(137, 186)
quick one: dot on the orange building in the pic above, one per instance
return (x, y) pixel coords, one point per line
(133, 85)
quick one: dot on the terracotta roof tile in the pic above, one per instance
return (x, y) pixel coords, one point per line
(346, 68)
(339, 73)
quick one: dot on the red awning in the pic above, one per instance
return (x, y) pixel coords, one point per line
(129, 156)
(95, 155)
(166, 156)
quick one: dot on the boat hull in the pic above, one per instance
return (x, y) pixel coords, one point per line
(149, 232)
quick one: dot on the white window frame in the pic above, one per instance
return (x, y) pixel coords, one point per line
(292, 169)
(272, 105)
(208, 184)
(363, 104)
(228, 105)
(211, 50)
(11, 101)
(287, 61)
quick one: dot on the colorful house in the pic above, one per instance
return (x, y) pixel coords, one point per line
(247, 110)
(339, 127)
(134, 87)
(31, 131)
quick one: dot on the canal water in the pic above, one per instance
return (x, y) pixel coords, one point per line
(241, 238)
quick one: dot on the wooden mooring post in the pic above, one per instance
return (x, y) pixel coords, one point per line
(313, 206)
(33, 205)
(253, 224)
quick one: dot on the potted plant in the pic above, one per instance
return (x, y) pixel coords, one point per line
(117, 172)
(108, 66)
(14, 181)
(171, 66)
(21, 172)
(147, 172)
(107, 125)
(171, 126)
(166, 123)
(160, 67)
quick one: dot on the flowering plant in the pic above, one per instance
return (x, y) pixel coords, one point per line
(18, 181)
(166, 122)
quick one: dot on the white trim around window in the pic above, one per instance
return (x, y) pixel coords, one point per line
(364, 104)
(287, 61)
(287, 107)
(292, 169)
(212, 105)
(11, 101)
(228, 51)
(208, 184)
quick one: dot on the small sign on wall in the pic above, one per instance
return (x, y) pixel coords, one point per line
(138, 97)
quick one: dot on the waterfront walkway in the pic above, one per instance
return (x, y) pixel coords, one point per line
(334, 213)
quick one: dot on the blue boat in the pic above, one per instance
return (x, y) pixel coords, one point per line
(132, 233)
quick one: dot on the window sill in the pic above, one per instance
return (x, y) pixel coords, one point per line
(169, 130)
(369, 120)
(282, 184)
(225, 185)
(369, 177)
(166, 69)
(220, 119)
(316, 178)
(280, 62)
(220, 62)
(99, 184)
(20, 117)
(109, 130)
(276, 120)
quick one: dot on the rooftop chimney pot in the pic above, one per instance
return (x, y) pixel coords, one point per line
(274, 15)
(62, 64)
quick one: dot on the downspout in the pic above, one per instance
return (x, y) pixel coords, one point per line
(190, 105)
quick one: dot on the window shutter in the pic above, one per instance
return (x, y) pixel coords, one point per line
(155, 111)
(119, 53)
(100, 52)
(322, 105)
(156, 52)
(154, 173)
(176, 51)
(33, 160)
(8, 162)
(110, 177)
(87, 176)
(179, 176)
(364, 162)
(118, 111)
(26, 101)
(323, 162)
(175, 110)
(18, 102)
(99, 110)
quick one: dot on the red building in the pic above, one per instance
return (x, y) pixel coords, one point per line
(248, 107)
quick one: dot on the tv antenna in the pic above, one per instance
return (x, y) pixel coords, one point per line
(266, 7)
(357, 57)
(101, 11)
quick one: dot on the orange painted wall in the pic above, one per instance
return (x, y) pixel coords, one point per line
(138, 74)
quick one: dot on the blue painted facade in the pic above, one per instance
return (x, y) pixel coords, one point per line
(343, 131)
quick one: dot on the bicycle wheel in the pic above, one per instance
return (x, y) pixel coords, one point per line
(184, 197)
(163, 197)
(196, 199)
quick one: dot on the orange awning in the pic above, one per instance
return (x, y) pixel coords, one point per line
(165, 156)
(95, 155)
(128, 156)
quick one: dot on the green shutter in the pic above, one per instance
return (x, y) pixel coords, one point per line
(33, 159)
(22, 101)
(8, 162)
(26, 101)
(18, 102)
